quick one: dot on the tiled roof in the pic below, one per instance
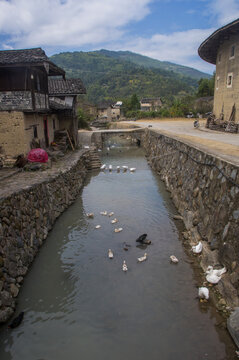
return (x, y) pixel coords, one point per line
(23, 56)
(150, 99)
(66, 87)
(104, 105)
(209, 48)
(29, 56)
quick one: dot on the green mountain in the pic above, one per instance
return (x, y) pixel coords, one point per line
(155, 64)
(108, 78)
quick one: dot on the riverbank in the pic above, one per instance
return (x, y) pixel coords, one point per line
(205, 191)
(30, 202)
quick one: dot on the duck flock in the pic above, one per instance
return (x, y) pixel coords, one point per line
(124, 168)
(213, 276)
(142, 239)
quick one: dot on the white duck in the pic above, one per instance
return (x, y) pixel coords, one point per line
(104, 213)
(90, 215)
(125, 168)
(103, 167)
(110, 167)
(142, 258)
(111, 214)
(218, 272)
(110, 254)
(173, 259)
(197, 249)
(118, 230)
(114, 221)
(124, 267)
(212, 277)
(203, 293)
(118, 168)
(132, 169)
(98, 226)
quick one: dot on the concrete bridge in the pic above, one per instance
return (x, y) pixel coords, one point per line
(98, 137)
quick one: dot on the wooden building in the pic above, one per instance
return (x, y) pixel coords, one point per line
(25, 116)
(222, 49)
(29, 117)
(63, 100)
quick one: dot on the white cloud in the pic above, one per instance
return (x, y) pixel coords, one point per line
(178, 47)
(73, 24)
(67, 23)
(224, 11)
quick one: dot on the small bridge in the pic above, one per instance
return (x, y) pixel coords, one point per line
(98, 137)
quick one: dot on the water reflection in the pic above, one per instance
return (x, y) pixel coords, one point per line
(80, 304)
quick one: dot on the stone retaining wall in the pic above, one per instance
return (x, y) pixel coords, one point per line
(26, 217)
(205, 191)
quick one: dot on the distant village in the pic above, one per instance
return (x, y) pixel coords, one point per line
(38, 104)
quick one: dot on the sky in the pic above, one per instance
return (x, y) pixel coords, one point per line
(168, 30)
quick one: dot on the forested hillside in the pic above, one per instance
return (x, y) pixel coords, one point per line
(108, 78)
(155, 64)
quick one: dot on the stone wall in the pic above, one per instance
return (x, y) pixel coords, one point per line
(205, 191)
(26, 217)
(15, 100)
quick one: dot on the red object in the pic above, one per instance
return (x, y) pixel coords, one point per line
(37, 155)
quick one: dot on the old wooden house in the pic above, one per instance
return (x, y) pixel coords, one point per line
(29, 117)
(63, 101)
(150, 104)
(25, 115)
(222, 49)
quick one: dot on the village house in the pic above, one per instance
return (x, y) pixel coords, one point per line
(63, 100)
(150, 104)
(222, 49)
(27, 118)
(104, 112)
(116, 110)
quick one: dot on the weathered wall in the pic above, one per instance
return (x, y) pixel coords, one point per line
(224, 96)
(31, 119)
(16, 132)
(15, 100)
(12, 134)
(206, 192)
(27, 216)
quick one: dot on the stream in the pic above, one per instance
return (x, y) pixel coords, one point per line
(79, 304)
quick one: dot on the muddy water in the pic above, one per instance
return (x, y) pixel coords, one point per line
(80, 305)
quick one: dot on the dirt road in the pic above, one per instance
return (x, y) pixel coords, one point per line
(220, 144)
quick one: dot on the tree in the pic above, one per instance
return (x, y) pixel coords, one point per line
(206, 87)
(134, 102)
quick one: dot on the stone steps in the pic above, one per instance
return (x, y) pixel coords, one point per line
(94, 160)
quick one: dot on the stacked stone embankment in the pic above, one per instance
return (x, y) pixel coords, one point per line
(27, 214)
(205, 190)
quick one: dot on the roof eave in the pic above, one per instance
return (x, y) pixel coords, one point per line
(209, 48)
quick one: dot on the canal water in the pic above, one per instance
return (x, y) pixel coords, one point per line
(79, 304)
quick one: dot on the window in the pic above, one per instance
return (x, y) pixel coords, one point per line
(217, 82)
(229, 80)
(38, 83)
(232, 53)
(35, 131)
